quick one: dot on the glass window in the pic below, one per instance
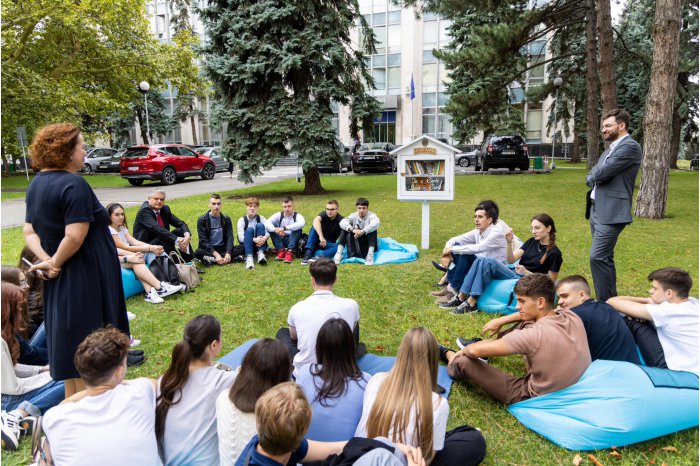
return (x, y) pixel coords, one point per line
(442, 99)
(393, 59)
(429, 121)
(394, 77)
(394, 6)
(430, 16)
(379, 19)
(536, 74)
(444, 123)
(429, 99)
(444, 35)
(428, 57)
(534, 124)
(517, 95)
(394, 38)
(160, 8)
(430, 75)
(394, 17)
(368, 18)
(380, 34)
(160, 23)
(430, 35)
(378, 61)
(379, 75)
(379, 5)
(365, 5)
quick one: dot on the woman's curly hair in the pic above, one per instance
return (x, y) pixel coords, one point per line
(53, 145)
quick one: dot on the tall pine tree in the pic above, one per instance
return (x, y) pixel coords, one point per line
(277, 67)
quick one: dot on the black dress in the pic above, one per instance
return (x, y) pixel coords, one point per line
(88, 292)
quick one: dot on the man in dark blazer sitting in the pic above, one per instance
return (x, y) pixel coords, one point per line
(610, 200)
(153, 222)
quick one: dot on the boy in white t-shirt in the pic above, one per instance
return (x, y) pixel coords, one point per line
(664, 325)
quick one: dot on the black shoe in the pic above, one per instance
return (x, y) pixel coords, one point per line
(462, 342)
(440, 285)
(132, 361)
(443, 353)
(208, 260)
(135, 352)
(464, 308)
(239, 258)
(439, 266)
(305, 259)
(200, 271)
(454, 302)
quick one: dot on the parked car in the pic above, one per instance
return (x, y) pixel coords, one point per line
(110, 165)
(374, 156)
(95, 156)
(338, 166)
(164, 162)
(694, 163)
(505, 151)
(466, 159)
(215, 154)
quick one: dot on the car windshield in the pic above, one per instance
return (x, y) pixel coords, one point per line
(506, 140)
(373, 146)
(136, 152)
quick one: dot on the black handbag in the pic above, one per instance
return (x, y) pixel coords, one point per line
(165, 270)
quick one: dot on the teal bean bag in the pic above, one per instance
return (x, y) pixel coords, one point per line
(130, 283)
(498, 297)
(389, 252)
(614, 404)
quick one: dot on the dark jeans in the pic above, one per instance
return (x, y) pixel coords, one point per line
(312, 245)
(288, 241)
(464, 446)
(250, 233)
(170, 247)
(285, 337)
(461, 263)
(504, 387)
(237, 251)
(358, 247)
(34, 351)
(647, 339)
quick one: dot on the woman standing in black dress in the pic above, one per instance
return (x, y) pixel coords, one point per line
(66, 227)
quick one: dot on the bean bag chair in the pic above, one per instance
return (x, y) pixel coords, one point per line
(130, 283)
(389, 252)
(614, 404)
(498, 297)
(370, 363)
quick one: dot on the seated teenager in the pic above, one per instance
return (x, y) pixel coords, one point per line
(335, 386)
(608, 335)
(553, 344)
(252, 233)
(285, 230)
(27, 390)
(185, 411)
(113, 420)
(664, 325)
(486, 240)
(324, 233)
(404, 405)
(359, 234)
(306, 317)
(135, 255)
(215, 232)
(265, 365)
(539, 254)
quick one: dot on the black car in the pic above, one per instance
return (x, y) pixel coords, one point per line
(338, 166)
(508, 151)
(374, 156)
(110, 165)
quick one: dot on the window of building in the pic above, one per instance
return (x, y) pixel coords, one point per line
(385, 20)
(534, 122)
(436, 122)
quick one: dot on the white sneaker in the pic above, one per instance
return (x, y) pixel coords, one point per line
(134, 343)
(261, 258)
(10, 431)
(153, 298)
(249, 264)
(166, 289)
(209, 260)
(130, 315)
(369, 260)
(337, 258)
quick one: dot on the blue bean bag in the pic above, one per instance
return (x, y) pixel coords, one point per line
(370, 363)
(614, 404)
(130, 283)
(389, 252)
(498, 297)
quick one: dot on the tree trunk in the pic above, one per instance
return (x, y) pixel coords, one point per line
(144, 133)
(312, 182)
(675, 134)
(194, 130)
(658, 109)
(606, 66)
(592, 130)
(576, 149)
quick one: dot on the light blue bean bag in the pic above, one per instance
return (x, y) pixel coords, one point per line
(130, 283)
(498, 297)
(614, 404)
(370, 363)
(390, 252)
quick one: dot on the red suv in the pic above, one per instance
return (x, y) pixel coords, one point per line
(164, 162)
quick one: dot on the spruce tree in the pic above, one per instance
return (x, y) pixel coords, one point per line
(276, 69)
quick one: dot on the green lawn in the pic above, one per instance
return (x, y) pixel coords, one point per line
(15, 186)
(253, 304)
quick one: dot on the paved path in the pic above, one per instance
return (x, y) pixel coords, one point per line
(13, 210)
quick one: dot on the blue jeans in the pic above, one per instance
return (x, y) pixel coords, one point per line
(37, 401)
(461, 263)
(312, 245)
(34, 352)
(250, 233)
(482, 272)
(289, 240)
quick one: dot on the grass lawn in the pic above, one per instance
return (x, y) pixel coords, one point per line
(15, 186)
(394, 298)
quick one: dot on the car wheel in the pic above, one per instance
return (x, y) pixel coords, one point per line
(524, 167)
(135, 182)
(464, 162)
(87, 169)
(208, 171)
(169, 176)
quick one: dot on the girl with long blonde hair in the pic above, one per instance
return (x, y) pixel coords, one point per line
(404, 405)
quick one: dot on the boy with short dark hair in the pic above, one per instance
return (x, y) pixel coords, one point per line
(359, 234)
(324, 233)
(664, 325)
(285, 230)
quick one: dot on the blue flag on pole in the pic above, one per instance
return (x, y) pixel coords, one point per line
(413, 88)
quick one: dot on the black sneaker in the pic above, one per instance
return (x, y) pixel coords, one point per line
(200, 271)
(136, 352)
(454, 302)
(239, 258)
(462, 342)
(132, 361)
(26, 425)
(439, 266)
(443, 353)
(464, 308)
(305, 259)
(209, 260)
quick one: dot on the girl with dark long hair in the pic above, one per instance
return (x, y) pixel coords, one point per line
(335, 386)
(185, 409)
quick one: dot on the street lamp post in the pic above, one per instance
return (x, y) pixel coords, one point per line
(143, 88)
(557, 83)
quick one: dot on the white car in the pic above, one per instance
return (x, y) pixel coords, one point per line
(95, 156)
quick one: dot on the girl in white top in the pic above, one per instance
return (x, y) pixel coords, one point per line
(404, 405)
(265, 365)
(131, 256)
(185, 412)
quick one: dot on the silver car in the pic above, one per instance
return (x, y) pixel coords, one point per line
(95, 156)
(215, 154)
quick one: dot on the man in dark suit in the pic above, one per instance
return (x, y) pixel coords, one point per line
(610, 200)
(153, 222)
